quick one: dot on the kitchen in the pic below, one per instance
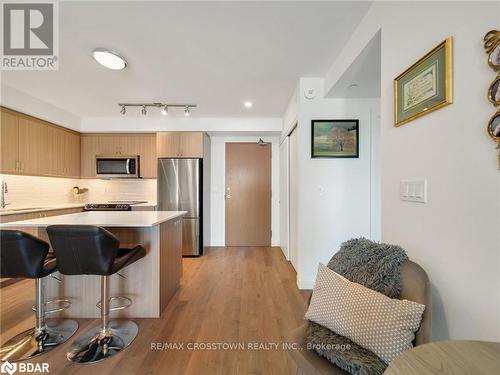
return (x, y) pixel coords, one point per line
(48, 170)
(55, 176)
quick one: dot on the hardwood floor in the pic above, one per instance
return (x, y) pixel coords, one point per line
(246, 296)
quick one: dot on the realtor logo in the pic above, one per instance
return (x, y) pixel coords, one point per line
(29, 35)
(8, 368)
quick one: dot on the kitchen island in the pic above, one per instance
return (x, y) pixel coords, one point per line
(150, 282)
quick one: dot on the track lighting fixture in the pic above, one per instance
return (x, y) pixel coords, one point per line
(163, 107)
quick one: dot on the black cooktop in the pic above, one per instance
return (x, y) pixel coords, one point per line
(107, 207)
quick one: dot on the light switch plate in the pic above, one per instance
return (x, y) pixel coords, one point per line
(413, 190)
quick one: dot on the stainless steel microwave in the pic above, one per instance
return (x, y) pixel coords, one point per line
(117, 166)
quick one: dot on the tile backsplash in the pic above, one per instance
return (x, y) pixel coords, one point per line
(29, 191)
(119, 189)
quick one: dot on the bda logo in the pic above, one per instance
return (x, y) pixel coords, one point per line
(8, 368)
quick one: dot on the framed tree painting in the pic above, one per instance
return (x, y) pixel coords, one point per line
(335, 138)
(425, 86)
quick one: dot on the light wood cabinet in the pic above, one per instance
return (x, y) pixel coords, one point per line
(72, 152)
(170, 260)
(31, 146)
(143, 145)
(179, 144)
(9, 142)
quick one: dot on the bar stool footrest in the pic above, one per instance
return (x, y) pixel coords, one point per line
(65, 304)
(126, 305)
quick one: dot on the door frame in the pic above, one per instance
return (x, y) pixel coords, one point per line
(285, 197)
(292, 199)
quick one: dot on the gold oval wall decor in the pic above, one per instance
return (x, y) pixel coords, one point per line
(494, 92)
(492, 47)
(494, 127)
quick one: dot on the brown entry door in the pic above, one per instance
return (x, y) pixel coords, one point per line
(248, 194)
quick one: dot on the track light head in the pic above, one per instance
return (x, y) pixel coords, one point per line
(187, 111)
(164, 110)
(123, 110)
(144, 110)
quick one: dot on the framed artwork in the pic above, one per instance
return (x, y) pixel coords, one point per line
(335, 138)
(425, 86)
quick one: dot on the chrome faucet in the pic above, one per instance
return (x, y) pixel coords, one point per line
(4, 191)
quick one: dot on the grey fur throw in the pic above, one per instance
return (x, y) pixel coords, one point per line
(376, 266)
(371, 264)
(343, 352)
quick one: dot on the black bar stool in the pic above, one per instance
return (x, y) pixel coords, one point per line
(26, 256)
(91, 250)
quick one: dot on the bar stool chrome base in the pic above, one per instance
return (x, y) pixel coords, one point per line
(96, 345)
(33, 342)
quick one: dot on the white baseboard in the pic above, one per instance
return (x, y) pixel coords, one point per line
(305, 282)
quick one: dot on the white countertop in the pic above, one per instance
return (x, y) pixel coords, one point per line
(37, 208)
(40, 208)
(102, 219)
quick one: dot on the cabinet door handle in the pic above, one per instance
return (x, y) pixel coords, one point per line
(17, 166)
(22, 166)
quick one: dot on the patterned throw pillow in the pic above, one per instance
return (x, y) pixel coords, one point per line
(378, 323)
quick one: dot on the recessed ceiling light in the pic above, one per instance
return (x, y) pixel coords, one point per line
(109, 59)
(353, 86)
(248, 104)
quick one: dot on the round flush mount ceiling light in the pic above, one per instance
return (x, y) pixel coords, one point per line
(248, 104)
(109, 59)
(353, 86)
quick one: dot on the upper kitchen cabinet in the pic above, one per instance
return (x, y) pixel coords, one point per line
(31, 146)
(33, 150)
(9, 142)
(143, 145)
(179, 144)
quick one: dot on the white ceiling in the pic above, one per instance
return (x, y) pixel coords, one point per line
(363, 72)
(214, 54)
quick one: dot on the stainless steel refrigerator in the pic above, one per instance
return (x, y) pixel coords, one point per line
(180, 183)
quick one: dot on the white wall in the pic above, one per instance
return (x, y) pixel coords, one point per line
(291, 114)
(218, 182)
(156, 122)
(334, 195)
(455, 235)
(22, 102)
